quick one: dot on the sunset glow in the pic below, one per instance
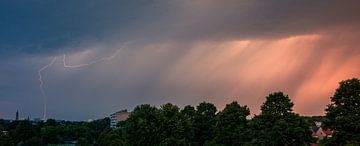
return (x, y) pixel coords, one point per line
(112, 55)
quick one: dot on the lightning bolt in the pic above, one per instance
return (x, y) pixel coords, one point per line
(65, 65)
(42, 85)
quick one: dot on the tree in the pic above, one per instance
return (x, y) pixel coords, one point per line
(231, 126)
(343, 114)
(82, 142)
(277, 104)
(204, 123)
(278, 125)
(188, 112)
(23, 131)
(34, 141)
(97, 126)
(5, 139)
(50, 135)
(50, 122)
(142, 126)
(110, 137)
(174, 126)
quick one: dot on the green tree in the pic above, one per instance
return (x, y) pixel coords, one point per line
(343, 114)
(50, 135)
(188, 112)
(23, 131)
(97, 126)
(5, 139)
(232, 126)
(174, 126)
(110, 137)
(278, 125)
(50, 122)
(142, 126)
(83, 142)
(204, 123)
(277, 104)
(34, 141)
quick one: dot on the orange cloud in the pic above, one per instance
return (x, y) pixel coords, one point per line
(248, 70)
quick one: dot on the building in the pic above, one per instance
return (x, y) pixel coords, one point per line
(117, 117)
(319, 133)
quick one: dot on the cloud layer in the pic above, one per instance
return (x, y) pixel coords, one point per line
(183, 52)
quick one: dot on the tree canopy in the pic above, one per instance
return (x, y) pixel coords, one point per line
(278, 125)
(232, 125)
(342, 114)
(201, 125)
(277, 104)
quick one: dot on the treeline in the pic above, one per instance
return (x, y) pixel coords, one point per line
(277, 124)
(30, 133)
(203, 125)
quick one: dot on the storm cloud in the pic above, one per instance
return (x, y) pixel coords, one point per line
(184, 52)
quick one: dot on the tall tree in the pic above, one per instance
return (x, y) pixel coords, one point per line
(277, 104)
(204, 123)
(173, 125)
(142, 126)
(278, 125)
(343, 114)
(231, 126)
(188, 112)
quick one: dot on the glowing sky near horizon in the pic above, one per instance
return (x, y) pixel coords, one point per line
(183, 52)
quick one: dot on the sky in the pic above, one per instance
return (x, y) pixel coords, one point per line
(96, 57)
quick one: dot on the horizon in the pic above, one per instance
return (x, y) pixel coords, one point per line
(79, 60)
(130, 111)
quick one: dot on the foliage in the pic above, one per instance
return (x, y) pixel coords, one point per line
(173, 126)
(30, 133)
(278, 125)
(232, 125)
(277, 104)
(142, 126)
(343, 113)
(50, 135)
(204, 123)
(5, 140)
(111, 137)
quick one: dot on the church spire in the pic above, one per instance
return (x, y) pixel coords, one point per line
(17, 115)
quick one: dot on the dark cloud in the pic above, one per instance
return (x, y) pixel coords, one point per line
(181, 51)
(43, 26)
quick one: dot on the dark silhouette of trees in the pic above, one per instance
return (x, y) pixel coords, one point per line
(278, 125)
(110, 137)
(142, 126)
(343, 114)
(23, 132)
(189, 113)
(232, 126)
(173, 125)
(204, 123)
(277, 104)
(28, 133)
(168, 124)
